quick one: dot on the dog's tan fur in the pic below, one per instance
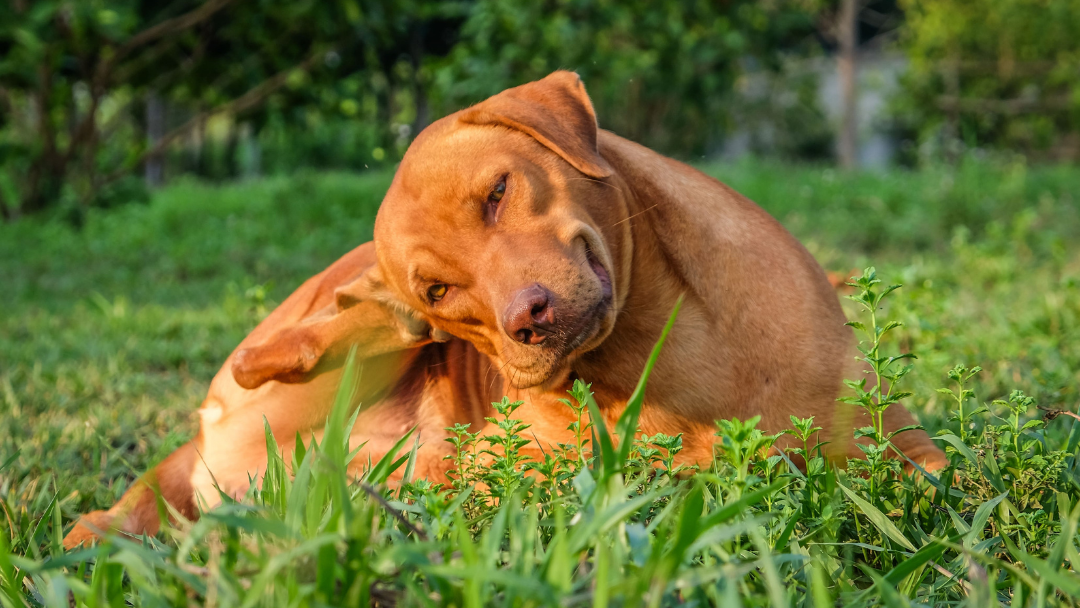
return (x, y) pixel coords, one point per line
(761, 332)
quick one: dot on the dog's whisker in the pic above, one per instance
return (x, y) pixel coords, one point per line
(501, 373)
(630, 217)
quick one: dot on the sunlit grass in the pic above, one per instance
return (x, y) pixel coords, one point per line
(110, 335)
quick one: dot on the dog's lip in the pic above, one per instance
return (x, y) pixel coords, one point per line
(590, 324)
(592, 320)
(601, 272)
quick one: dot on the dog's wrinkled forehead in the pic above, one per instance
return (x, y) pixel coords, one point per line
(446, 167)
(432, 186)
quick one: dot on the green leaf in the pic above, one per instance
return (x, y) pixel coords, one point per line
(584, 484)
(585, 531)
(10, 460)
(876, 517)
(601, 436)
(889, 289)
(926, 554)
(505, 579)
(689, 522)
(283, 560)
(960, 446)
(910, 427)
(982, 515)
(958, 522)
(866, 546)
(782, 540)
(386, 465)
(890, 597)
(819, 587)
(245, 519)
(1063, 580)
(992, 473)
(1032, 424)
(891, 325)
(411, 466)
(298, 493)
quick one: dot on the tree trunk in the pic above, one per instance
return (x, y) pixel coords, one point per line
(155, 130)
(847, 143)
(230, 162)
(7, 214)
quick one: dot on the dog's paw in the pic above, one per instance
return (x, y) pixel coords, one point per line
(90, 528)
(931, 460)
(290, 358)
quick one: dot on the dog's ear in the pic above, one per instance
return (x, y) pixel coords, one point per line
(362, 314)
(554, 111)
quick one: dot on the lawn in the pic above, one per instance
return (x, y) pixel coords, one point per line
(112, 331)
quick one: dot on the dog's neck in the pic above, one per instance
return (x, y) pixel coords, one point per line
(653, 279)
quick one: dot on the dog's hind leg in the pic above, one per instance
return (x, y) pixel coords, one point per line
(137, 510)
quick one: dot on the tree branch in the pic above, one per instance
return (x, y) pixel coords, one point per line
(248, 100)
(1003, 106)
(169, 26)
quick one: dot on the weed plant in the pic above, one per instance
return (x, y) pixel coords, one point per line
(609, 520)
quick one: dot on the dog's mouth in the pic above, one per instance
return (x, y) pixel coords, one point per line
(569, 339)
(601, 273)
(592, 319)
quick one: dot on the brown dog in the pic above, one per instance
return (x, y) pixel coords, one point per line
(551, 250)
(558, 249)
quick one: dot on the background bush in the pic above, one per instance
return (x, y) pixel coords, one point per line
(95, 95)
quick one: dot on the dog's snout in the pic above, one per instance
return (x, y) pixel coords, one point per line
(530, 317)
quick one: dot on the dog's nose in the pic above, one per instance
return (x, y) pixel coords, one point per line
(530, 317)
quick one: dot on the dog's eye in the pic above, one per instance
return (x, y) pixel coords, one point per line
(498, 191)
(436, 292)
(491, 206)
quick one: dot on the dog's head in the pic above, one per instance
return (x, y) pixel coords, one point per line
(504, 226)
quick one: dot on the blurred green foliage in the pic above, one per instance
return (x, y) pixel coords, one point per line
(257, 86)
(660, 73)
(76, 76)
(91, 91)
(994, 73)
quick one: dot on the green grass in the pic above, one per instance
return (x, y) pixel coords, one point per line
(110, 335)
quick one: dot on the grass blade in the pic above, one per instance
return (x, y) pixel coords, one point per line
(628, 421)
(876, 517)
